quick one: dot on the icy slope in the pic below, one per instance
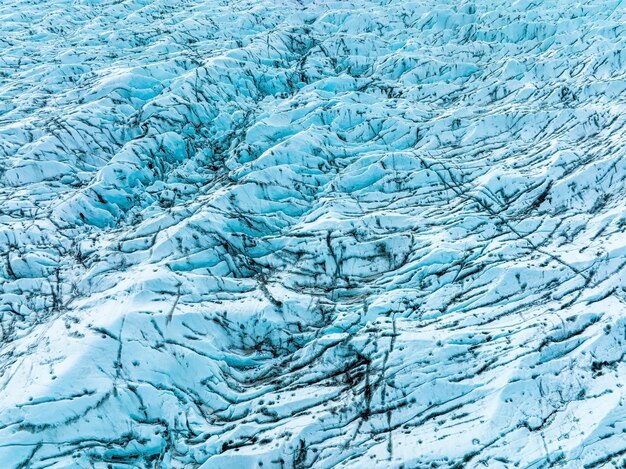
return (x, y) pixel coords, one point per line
(242, 234)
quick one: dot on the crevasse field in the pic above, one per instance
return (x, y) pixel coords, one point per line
(312, 234)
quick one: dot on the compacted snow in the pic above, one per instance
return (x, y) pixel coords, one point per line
(260, 233)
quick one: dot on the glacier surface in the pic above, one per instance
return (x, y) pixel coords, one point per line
(357, 233)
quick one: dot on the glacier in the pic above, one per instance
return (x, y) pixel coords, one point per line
(312, 234)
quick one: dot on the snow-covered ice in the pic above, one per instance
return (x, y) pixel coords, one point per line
(309, 233)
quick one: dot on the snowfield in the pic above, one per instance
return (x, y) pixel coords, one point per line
(312, 234)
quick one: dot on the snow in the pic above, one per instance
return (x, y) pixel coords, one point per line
(356, 233)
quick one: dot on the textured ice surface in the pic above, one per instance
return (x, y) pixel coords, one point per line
(356, 233)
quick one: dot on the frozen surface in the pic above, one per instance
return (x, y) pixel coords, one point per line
(321, 234)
